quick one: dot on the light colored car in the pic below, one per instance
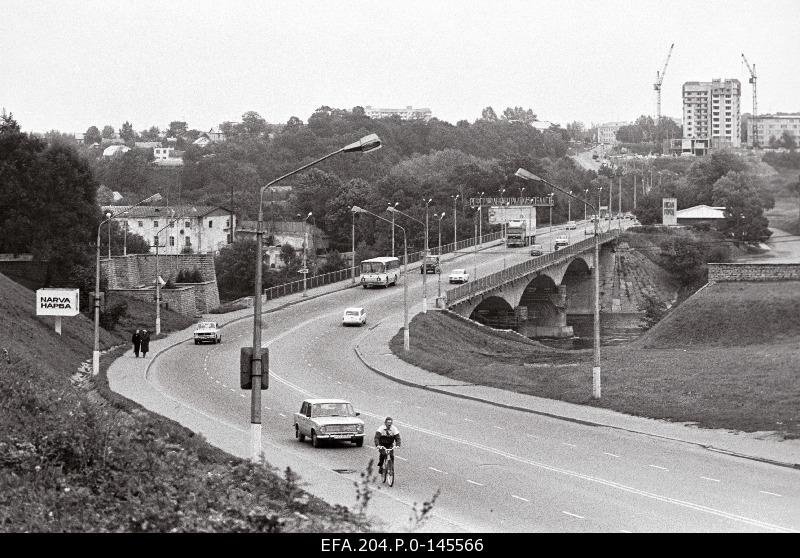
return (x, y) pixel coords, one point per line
(458, 276)
(207, 332)
(328, 419)
(560, 242)
(571, 225)
(537, 250)
(354, 316)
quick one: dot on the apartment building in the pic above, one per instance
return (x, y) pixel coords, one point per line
(711, 111)
(607, 133)
(408, 113)
(770, 128)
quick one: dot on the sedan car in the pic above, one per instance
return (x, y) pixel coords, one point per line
(571, 225)
(354, 316)
(560, 242)
(207, 332)
(537, 250)
(328, 419)
(458, 276)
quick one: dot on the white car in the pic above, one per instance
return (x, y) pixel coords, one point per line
(458, 276)
(571, 225)
(328, 419)
(354, 316)
(207, 332)
(560, 242)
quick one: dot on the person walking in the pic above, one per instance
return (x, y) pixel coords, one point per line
(137, 341)
(145, 343)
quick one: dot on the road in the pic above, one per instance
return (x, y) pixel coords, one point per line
(497, 469)
(585, 160)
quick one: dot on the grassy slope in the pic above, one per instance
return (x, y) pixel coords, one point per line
(696, 366)
(72, 462)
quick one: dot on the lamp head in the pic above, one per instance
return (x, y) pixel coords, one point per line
(392, 209)
(364, 145)
(356, 209)
(154, 197)
(527, 175)
(108, 214)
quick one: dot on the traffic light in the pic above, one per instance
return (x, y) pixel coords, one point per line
(245, 368)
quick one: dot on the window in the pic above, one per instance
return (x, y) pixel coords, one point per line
(187, 225)
(172, 224)
(155, 241)
(188, 241)
(155, 224)
(227, 222)
(172, 241)
(210, 224)
(141, 224)
(229, 238)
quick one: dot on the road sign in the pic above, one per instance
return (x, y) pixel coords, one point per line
(303, 270)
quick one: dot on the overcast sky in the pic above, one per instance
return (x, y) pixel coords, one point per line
(68, 65)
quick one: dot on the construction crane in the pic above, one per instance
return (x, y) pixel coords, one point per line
(659, 81)
(752, 71)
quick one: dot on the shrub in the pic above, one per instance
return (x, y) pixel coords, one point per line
(112, 315)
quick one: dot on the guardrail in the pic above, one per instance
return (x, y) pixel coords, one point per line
(343, 274)
(493, 280)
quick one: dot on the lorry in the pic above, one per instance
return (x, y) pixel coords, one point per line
(520, 233)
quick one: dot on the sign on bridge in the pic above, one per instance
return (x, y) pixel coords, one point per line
(544, 201)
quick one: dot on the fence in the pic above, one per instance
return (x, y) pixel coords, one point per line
(345, 274)
(488, 282)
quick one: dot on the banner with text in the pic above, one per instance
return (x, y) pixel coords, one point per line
(544, 201)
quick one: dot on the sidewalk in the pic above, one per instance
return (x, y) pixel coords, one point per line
(373, 350)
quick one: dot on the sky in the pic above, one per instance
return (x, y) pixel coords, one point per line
(68, 65)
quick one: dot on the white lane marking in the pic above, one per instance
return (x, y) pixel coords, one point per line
(442, 413)
(418, 407)
(437, 470)
(218, 381)
(611, 454)
(567, 444)
(770, 493)
(468, 420)
(475, 483)
(400, 458)
(499, 427)
(566, 472)
(710, 479)
(233, 390)
(532, 436)
(520, 498)
(657, 467)
(281, 414)
(573, 515)
(223, 385)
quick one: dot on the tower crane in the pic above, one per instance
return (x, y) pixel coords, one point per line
(659, 81)
(752, 80)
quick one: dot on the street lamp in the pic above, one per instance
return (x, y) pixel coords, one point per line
(550, 222)
(406, 338)
(425, 271)
(395, 205)
(503, 224)
(586, 195)
(364, 145)
(440, 252)
(522, 173)
(480, 217)
(455, 228)
(305, 249)
(109, 216)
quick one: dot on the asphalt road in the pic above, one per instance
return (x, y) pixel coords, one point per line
(496, 469)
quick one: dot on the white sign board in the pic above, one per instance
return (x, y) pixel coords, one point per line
(503, 214)
(669, 208)
(57, 302)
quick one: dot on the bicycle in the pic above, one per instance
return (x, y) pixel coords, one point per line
(388, 465)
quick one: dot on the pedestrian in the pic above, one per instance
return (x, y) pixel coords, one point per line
(145, 343)
(136, 340)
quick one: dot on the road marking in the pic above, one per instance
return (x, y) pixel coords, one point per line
(396, 401)
(233, 390)
(611, 454)
(573, 515)
(657, 467)
(468, 420)
(475, 483)
(338, 382)
(770, 493)
(442, 413)
(223, 385)
(400, 458)
(567, 444)
(437, 470)
(710, 479)
(532, 436)
(520, 498)
(218, 381)
(244, 395)
(281, 414)
(499, 427)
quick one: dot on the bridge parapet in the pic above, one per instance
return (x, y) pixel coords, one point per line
(494, 280)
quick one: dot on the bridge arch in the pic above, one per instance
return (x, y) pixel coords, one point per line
(494, 311)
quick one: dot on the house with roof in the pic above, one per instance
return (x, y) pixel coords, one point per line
(148, 145)
(293, 233)
(167, 157)
(179, 228)
(113, 150)
(700, 214)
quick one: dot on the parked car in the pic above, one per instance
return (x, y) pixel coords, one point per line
(328, 419)
(458, 276)
(537, 250)
(354, 316)
(560, 242)
(207, 332)
(430, 265)
(571, 225)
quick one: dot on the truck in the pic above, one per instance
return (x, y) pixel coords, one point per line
(519, 233)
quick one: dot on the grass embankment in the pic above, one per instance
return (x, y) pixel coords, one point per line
(83, 459)
(727, 358)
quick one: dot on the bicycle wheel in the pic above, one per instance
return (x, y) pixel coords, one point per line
(388, 475)
(385, 469)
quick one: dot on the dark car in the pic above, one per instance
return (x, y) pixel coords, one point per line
(430, 265)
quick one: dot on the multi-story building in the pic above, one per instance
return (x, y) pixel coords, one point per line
(770, 128)
(203, 229)
(607, 133)
(711, 112)
(407, 113)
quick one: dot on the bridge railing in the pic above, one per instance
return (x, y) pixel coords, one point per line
(493, 280)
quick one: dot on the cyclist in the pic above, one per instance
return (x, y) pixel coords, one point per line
(386, 436)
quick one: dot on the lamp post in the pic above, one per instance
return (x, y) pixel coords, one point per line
(425, 272)
(503, 224)
(305, 251)
(522, 173)
(170, 223)
(353, 237)
(439, 252)
(455, 228)
(395, 205)
(480, 218)
(364, 145)
(96, 351)
(406, 338)
(586, 195)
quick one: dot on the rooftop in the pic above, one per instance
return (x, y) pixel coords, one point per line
(181, 211)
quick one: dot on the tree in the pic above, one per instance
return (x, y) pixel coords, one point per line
(704, 173)
(787, 140)
(289, 256)
(92, 136)
(685, 258)
(745, 200)
(253, 125)
(108, 131)
(176, 129)
(489, 114)
(153, 134)
(519, 114)
(236, 269)
(127, 132)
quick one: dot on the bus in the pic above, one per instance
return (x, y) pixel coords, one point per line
(380, 271)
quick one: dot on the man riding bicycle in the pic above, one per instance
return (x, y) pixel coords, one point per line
(386, 436)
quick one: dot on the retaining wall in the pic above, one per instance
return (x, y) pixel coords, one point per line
(726, 272)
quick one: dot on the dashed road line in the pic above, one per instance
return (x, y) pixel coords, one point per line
(520, 498)
(658, 467)
(710, 479)
(499, 427)
(573, 515)
(396, 401)
(568, 444)
(770, 493)
(281, 414)
(475, 483)
(468, 420)
(400, 458)
(437, 470)
(532, 436)
(611, 454)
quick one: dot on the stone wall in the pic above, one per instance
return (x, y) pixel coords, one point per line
(206, 297)
(181, 300)
(719, 273)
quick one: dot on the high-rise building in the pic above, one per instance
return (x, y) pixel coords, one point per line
(771, 128)
(711, 112)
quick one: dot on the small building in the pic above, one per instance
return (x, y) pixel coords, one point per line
(408, 113)
(147, 144)
(215, 135)
(202, 141)
(285, 232)
(607, 133)
(113, 150)
(687, 146)
(700, 214)
(167, 157)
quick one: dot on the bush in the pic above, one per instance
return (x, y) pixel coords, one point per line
(112, 315)
(186, 276)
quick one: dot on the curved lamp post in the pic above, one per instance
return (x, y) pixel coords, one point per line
(425, 274)
(395, 205)
(364, 145)
(522, 173)
(305, 249)
(455, 223)
(440, 217)
(109, 216)
(406, 339)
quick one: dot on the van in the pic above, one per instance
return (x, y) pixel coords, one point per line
(560, 242)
